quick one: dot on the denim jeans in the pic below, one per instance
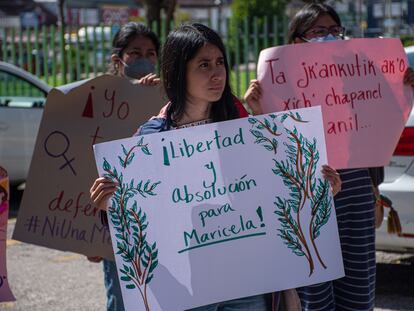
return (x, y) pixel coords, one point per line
(112, 286)
(253, 303)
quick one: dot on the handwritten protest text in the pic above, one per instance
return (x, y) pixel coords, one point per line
(186, 149)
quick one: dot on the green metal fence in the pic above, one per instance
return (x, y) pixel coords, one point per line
(59, 57)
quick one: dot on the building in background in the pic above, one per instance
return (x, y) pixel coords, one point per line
(391, 18)
(25, 13)
(369, 18)
(210, 12)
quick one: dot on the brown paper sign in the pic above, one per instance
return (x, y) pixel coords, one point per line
(56, 211)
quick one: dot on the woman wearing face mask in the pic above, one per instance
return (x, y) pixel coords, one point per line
(196, 80)
(135, 54)
(135, 50)
(354, 204)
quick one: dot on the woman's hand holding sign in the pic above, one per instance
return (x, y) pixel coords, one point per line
(101, 190)
(332, 176)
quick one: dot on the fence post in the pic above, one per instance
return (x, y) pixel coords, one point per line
(63, 54)
(163, 29)
(69, 55)
(4, 53)
(246, 51)
(37, 48)
(86, 50)
(29, 50)
(94, 45)
(256, 43)
(45, 55)
(266, 32)
(13, 53)
(13, 46)
(103, 49)
(229, 60)
(78, 59)
(53, 48)
(21, 57)
(237, 60)
(4, 45)
(275, 31)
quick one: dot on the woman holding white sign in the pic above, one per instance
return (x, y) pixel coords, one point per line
(355, 205)
(196, 79)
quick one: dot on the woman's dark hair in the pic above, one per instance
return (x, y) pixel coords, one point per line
(125, 35)
(306, 18)
(180, 47)
(3, 190)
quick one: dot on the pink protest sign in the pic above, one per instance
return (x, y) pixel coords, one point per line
(5, 292)
(358, 83)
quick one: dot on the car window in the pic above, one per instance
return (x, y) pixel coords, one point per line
(17, 92)
(410, 56)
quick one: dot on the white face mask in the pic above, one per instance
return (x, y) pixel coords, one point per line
(329, 37)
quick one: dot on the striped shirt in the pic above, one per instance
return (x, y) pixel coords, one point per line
(355, 212)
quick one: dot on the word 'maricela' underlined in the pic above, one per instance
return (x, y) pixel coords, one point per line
(221, 241)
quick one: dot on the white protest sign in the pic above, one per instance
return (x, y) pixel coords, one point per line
(56, 210)
(359, 85)
(221, 211)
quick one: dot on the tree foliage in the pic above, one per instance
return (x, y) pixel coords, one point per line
(242, 8)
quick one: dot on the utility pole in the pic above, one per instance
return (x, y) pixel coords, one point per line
(388, 21)
(361, 20)
(218, 3)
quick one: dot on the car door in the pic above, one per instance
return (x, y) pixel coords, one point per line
(21, 108)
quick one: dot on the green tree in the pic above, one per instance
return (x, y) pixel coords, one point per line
(242, 8)
(259, 14)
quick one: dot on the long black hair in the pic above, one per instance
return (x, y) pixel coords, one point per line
(125, 35)
(4, 191)
(180, 47)
(306, 17)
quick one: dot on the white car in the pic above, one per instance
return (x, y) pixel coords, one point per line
(399, 187)
(22, 97)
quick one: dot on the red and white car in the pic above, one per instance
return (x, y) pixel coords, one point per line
(399, 187)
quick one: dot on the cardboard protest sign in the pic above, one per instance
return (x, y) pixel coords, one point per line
(56, 210)
(358, 83)
(221, 211)
(5, 291)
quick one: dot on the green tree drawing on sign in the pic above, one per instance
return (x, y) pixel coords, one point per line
(298, 175)
(138, 254)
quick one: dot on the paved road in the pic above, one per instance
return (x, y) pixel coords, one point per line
(43, 279)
